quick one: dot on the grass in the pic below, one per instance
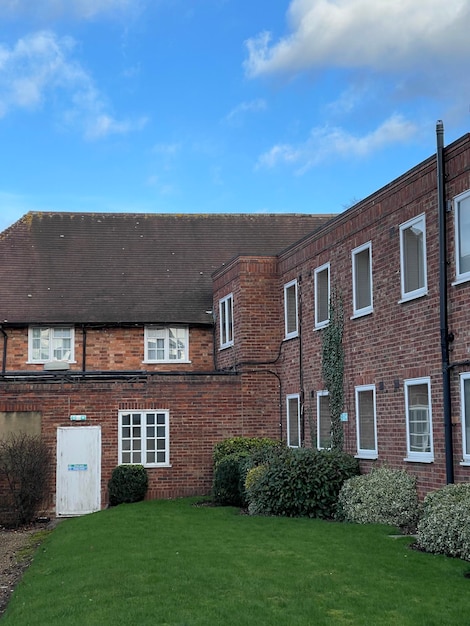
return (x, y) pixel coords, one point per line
(172, 563)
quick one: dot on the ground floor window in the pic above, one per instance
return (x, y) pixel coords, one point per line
(144, 437)
(323, 420)
(366, 425)
(293, 421)
(418, 420)
(465, 410)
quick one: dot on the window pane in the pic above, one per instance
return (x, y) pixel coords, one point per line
(363, 291)
(322, 303)
(291, 309)
(413, 256)
(464, 235)
(466, 414)
(324, 420)
(418, 418)
(293, 422)
(366, 422)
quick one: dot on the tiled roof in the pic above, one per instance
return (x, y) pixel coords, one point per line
(129, 268)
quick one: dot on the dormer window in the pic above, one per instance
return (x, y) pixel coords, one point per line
(50, 344)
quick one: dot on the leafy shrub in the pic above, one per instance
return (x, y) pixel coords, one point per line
(25, 461)
(229, 477)
(300, 482)
(235, 445)
(384, 496)
(445, 524)
(128, 483)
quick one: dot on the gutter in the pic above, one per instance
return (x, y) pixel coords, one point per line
(4, 358)
(443, 304)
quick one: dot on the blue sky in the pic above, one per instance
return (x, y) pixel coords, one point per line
(222, 105)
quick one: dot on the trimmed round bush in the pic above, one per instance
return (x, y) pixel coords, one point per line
(384, 496)
(300, 482)
(445, 525)
(229, 477)
(128, 483)
(236, 445)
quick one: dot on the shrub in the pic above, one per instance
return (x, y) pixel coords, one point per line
(25, 461)
(384, 496)
(229, 477)
(235, 445)
(128, 483)
(300, 482)
(445, 524)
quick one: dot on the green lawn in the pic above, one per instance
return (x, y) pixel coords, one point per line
(170, 562)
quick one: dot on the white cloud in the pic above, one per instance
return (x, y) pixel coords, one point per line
(41, 64)
(363, 33)
(76, 9)
(325, 142)
(253, 106)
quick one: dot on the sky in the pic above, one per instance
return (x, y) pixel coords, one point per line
(227, 106)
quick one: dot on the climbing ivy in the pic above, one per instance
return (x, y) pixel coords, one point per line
(333, 367)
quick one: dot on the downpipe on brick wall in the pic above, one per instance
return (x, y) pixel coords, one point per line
(443, 304)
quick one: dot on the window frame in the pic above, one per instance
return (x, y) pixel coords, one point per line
(50, 357)
(465, 419)
(414, 455)
(423, 290)
(289, 399)
(226, 321)
(460, 277)
(166, 348)
(365, 310)
(366, 453)
(321, 323)
(289, 334)
(321, 394)
(143, 448)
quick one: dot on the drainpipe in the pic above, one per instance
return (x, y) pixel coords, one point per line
(446, 397)
(4, 358)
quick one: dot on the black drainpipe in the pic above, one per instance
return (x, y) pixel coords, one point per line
(4, 358)
(443, 303)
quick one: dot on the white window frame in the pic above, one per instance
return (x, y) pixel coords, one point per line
(291, 287)
(465, 419)
(164, 334)
(366, 453)
(321, 323)
(321, 394)
(226, 321)
(293, 420)
(422, 290)
(51, 331)
(425, 456)
(365, 310)
(458, 202)
(139, 455)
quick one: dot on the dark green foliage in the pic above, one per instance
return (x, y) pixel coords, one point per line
(128, 483)
(301, 482)
(25, 461)
(229, 478)
(235, 445)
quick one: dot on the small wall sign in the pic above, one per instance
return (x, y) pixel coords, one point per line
(78, 467)
(344, 417)
(77, 418)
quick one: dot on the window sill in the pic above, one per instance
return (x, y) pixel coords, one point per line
(162, 362)
(423, 459)
(44, 362)
(373, 456)
(361, 314)
(157, 466)
(320, 326)
(465, 463)
(461, 279)
(225, 346)
(289, 337)
(413, 296)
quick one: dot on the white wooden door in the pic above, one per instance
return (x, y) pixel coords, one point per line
(78, 488)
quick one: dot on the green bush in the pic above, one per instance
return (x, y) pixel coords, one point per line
(128, 483)
(444, 527)
(384, 496)
(300, 482)
(236, 445)
(229, 477)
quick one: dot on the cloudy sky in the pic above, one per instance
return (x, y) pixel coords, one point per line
(222, 105)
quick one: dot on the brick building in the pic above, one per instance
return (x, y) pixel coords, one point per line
(150, 338)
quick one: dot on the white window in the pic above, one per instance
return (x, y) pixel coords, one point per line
(293, 421)
(418, 420)
(51, 344)
(166, 345)
(322, 295)
(144, 437)
(362, 279)
(462, 236)
(413, 258)
(465, 411)
(290, 309)
(226, 321)
(366, 422)
(323, 420)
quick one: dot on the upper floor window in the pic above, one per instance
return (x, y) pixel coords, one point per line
(165, 344)
(293, 421)
(362, 279)
(144, 437)
(226, 321)
(323, 420)
(322, 295)
(366, 426)
(50, 344)
(413, 258)
(291, 309)
(465, 411)
(462, 236)
(418, 420)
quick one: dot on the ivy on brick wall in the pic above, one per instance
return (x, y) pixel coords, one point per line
(333, 367)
